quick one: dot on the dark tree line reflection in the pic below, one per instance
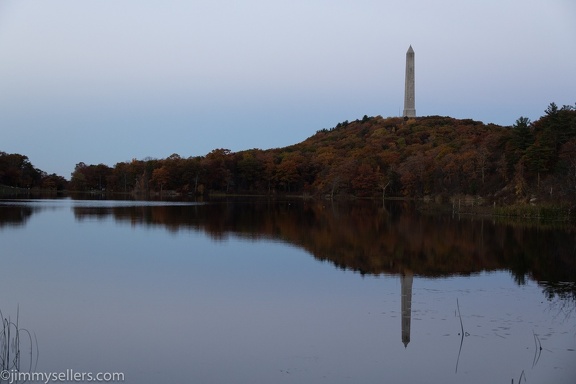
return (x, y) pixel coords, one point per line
(369, 238)
(11, 215)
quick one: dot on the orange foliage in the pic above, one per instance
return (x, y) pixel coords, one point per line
(422, 156)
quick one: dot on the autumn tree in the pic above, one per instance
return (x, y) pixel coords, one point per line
(567, 157)
(16, 170)
(54, 182)
(365, 180)
(78, 180)
(161, 176)
(371, 156)
(90, 177)
(191, 175)
(551, 131)
(249, 170)
(218, 172)
(287, 171)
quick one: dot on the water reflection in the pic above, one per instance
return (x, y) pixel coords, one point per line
(363, 237)
(14, 216)
(186, 289)
(391, 240)
(406, 289)
(372, 240)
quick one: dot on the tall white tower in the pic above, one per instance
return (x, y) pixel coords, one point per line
(409, 90)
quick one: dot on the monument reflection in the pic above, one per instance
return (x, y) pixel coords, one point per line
(406, 284)
(364, 237)
(398, 277)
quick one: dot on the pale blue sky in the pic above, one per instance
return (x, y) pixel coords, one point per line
(103, 81)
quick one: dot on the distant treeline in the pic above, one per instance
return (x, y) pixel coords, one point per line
(16, 172)
(374, 156)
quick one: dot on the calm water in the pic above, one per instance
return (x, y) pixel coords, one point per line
(287, 292)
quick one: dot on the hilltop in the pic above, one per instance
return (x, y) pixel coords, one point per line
(372, 157)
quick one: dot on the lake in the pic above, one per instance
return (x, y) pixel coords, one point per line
(285, 291)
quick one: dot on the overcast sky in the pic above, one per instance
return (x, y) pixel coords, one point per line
(104, 81)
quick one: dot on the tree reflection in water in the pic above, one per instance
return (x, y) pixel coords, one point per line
(374, 240)
(365, 236)
(370, 239)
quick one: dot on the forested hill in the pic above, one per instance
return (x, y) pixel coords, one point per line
(444, 156)
(372, 156)
(368, 157)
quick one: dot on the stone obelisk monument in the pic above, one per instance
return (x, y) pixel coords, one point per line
(409, 92)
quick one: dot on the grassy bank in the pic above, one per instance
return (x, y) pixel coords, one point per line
(467, 205)
(545, 211)
(6, 190)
